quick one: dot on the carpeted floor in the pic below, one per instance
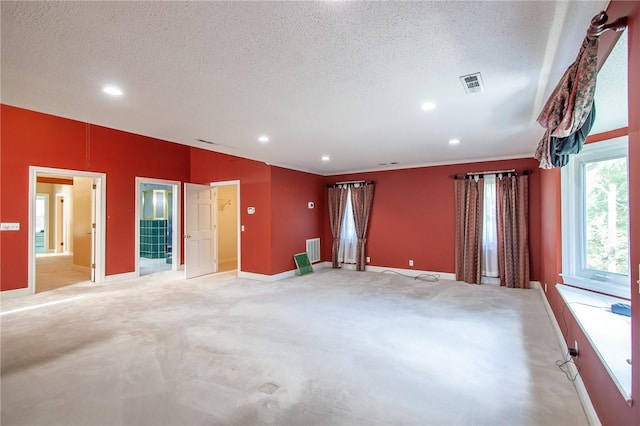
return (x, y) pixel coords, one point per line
(56, 270)
(330, 348)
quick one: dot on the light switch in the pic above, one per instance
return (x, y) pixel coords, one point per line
(10, 226)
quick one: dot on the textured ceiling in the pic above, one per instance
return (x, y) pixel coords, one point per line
(344, 79)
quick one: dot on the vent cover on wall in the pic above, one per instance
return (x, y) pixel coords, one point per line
(472, 83)
(313, 249)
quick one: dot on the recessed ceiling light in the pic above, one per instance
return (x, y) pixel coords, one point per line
(263, 139)
(428, 106)
(325, 158)
(454, 141)
(112, 90)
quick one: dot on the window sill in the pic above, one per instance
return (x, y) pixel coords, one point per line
(608, 288)
(608, 333)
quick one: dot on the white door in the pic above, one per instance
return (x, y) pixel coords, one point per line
(200, 223)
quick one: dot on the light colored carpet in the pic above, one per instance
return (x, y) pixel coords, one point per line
(55, 271)
(330, 348)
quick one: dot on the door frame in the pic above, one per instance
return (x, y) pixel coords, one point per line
(100, 215)
(239, 216)
(176, 239)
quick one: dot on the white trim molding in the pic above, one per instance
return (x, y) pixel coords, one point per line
(19, 292)
(589, 410)
(100, 180)
(412, 272)
(267, 278)
(176, 237)
(238, 216)
(120, 277)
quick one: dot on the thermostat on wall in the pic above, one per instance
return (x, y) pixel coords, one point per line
(251, 210)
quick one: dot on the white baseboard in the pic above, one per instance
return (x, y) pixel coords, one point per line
(119, 277)
(281, 275)
(322, 265)
(266, 278)
(589, 410)
(412, 272)
(10, 294)
(535, 285)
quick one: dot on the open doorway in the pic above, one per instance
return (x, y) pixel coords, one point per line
(66, 211)
(228, 238)
(157, 225)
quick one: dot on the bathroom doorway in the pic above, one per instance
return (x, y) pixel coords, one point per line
(157, 226)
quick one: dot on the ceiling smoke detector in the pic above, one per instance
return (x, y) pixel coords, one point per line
(472, 83)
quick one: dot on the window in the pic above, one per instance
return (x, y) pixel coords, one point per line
(490, 273)
(348, 238)
(595, 219)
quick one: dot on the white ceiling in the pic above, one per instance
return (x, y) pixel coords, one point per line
(344, 79)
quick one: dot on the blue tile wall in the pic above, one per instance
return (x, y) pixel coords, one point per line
(153, 239)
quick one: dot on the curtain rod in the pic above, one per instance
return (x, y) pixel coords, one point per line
(493, 172)
(599, 25)
(351, 183)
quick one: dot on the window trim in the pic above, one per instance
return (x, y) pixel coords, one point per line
(572, 230)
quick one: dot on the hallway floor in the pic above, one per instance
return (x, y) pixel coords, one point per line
(151, 266)
(55, 270)
(332, 347)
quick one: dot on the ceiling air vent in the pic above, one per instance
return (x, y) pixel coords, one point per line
(206, 141)
(472, 83)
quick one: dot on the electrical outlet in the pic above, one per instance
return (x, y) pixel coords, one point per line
(411, 262)
(368, 259)
(575, 345)
(545, 287)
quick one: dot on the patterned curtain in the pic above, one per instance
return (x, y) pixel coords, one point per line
(362, 200)
(337, 203)
(570, 103)
(513, 219)
(469, 195)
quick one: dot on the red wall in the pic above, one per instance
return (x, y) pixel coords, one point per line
(30, 138)
(612, 409)
(34, 139)
(282, 221)
(255, 191)
(413, 215)
(292, 221)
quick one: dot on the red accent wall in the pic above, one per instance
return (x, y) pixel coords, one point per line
(31, 138)
(612, 409)
(255, 191)
(282, 221)
(413, 215)
(292, 221)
